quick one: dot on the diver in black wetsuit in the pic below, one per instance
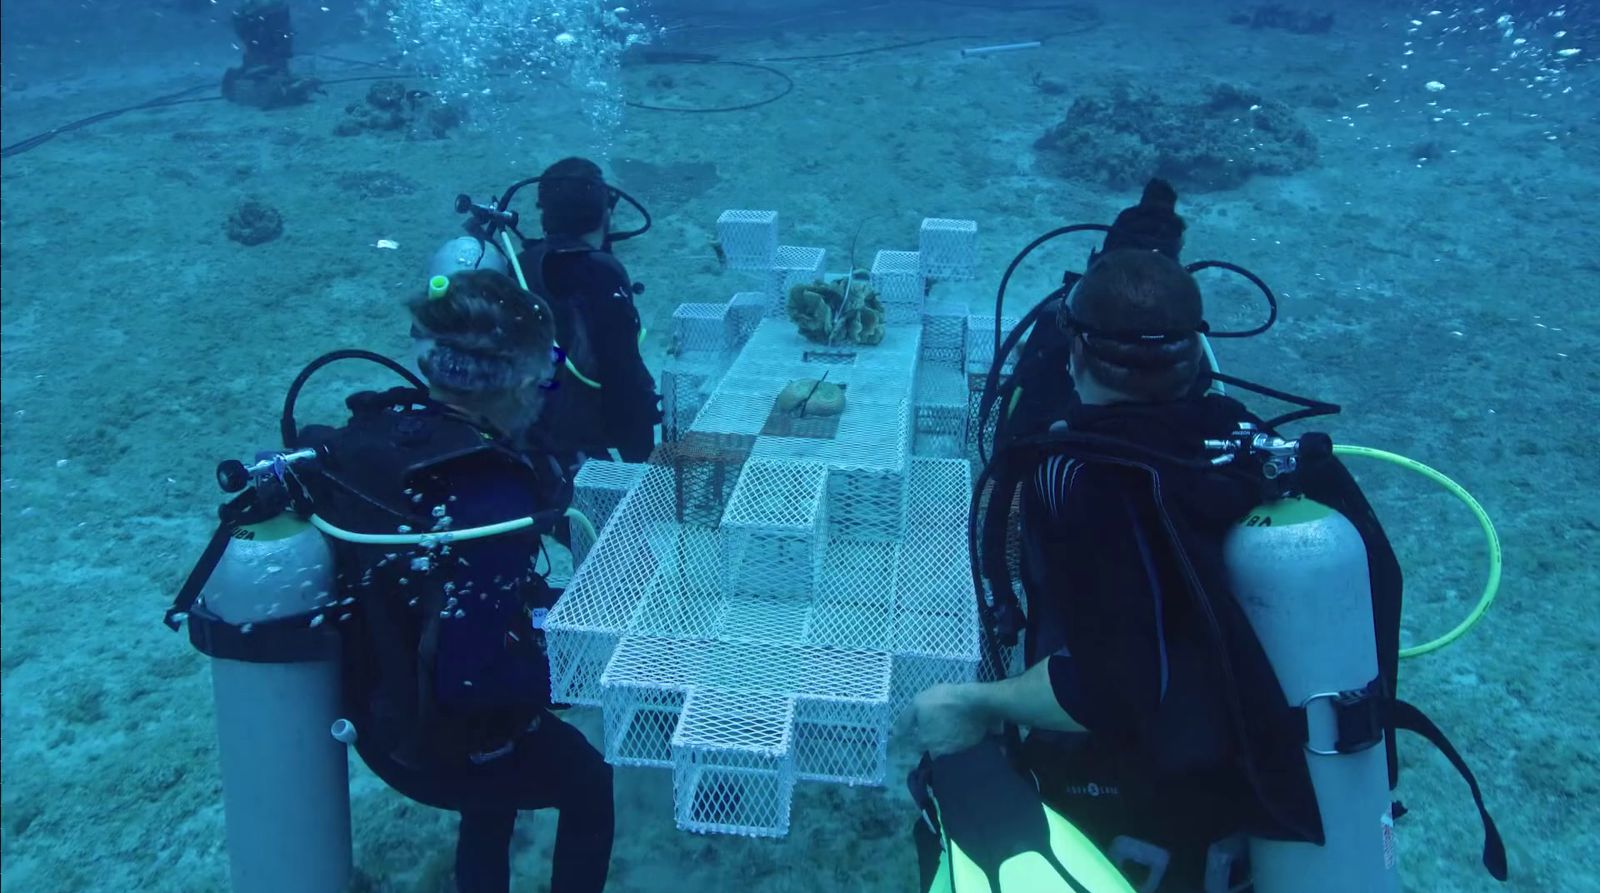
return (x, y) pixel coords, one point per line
(471, 730)
(1129, 712)
(606, 399)
(1155, 722)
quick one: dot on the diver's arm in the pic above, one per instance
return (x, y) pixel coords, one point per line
(1027, 700)
(951, 718)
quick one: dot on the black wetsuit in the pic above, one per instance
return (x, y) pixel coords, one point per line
(490, 690)
(550, 767)
(592, 296)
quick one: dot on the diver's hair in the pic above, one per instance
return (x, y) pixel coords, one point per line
(573, 198)
(484, 311)
(1151, 225)
(1143, 292)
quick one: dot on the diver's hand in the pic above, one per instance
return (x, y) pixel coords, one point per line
(947, 719)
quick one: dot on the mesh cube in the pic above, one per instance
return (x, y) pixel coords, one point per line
(948, 249)
(578, 659)
(897, 278)
(702, 329)
(705, 469)
(772, 534)
(944, 335)
(685, 600)
(867, 477)
(733, 764)
(685, 388)
(783, 619)
(977, 432)
(842, 741)
(981, 343)
(914, 673)
(639, 723)
(745, 311)
(866, 503)
(749, 239)
(942, 402)
(599, 486)
(793, 265)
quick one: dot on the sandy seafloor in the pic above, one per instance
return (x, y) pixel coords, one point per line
(1449, 306)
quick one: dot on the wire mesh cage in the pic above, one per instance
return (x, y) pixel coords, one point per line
(791, 266)
(748, 239)
(790, 566)
(948, 249)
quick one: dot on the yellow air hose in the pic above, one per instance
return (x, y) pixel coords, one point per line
(1491, 539)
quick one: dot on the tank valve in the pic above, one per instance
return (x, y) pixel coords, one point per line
(1275, 455)
(343, 731)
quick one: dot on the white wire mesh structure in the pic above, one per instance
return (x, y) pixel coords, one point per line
(770, 589)
(792, 265)
(949, 249)
(703, 329)
(749, 239)
(900, 285)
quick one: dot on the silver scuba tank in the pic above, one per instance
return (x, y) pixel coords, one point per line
(276, 680)
(1299, 571)
(467, 253)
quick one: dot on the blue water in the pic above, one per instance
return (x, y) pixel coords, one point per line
(1419, 183)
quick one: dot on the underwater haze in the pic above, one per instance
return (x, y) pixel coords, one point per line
(1418, 180)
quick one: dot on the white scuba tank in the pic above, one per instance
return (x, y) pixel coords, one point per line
(1299, 571)
(467, 253)
(285, 782)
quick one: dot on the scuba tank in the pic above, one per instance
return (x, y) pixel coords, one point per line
(255, 605)
(1298, 569)
(467, 253)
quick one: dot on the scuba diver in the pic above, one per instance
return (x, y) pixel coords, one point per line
(263, 78)
(607, 398)
(414, 533)
(1210, 615)
(1150, 225)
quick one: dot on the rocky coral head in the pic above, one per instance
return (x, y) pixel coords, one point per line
(253, 223)
(1214, 141)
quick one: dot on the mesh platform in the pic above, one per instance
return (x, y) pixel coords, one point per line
(770, 589)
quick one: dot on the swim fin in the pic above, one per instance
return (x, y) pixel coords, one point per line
(997, 834)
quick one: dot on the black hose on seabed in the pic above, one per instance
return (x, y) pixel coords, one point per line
(646, 57)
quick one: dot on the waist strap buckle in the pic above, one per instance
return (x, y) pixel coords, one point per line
(1357, 719)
